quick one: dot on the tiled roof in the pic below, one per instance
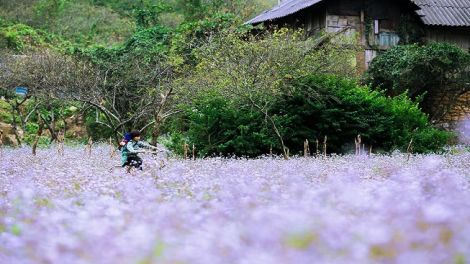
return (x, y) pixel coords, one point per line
(285, 8)
(444, 12)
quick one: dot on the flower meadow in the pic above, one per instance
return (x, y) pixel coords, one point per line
(72, 208)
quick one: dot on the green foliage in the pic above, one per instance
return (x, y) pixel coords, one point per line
(343, 111)
(194, 10)
(95, 130)
(175, 141)
(51, 9)
(21, 37)
(94, 26)
(189, 37)
(147, 15)
(144, 46)
(384, 122)
(408, 33)
(75, 21)
(256, 71)
(151, 41)
(43, 140)
(419, 68)
(5, 115)
(89, 23)
(31, 129)
(217, 126)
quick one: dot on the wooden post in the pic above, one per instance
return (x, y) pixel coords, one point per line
(324, 146)
(271, 151)
(60, 143)
(194, 152)
(89, 145)
(316, 150)
(409, 149)
(306, 149)
(185, 148)
(357, 143)
(112, 149)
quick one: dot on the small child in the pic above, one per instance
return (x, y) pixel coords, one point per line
(131, 149)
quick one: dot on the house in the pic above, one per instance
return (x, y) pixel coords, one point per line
(380, 24)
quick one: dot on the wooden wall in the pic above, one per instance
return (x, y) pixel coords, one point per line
(459, 37)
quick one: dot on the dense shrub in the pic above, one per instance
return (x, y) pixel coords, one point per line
(349, 110)
(345, 111)
(419, 68)
(217, 127)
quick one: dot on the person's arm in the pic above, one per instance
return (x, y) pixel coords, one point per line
(146, 146)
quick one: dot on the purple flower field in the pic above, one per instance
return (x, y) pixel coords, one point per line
(343, 209)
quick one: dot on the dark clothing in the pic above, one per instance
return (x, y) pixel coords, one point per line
(133, 161)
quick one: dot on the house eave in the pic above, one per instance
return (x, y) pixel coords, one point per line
(284, 9)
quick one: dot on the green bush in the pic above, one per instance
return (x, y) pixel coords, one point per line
(31, 128)
(417, 69)
(345, 111)
(386, 123)
(5, 115)
(217, 127)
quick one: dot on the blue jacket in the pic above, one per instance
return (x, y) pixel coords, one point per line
(131, 149)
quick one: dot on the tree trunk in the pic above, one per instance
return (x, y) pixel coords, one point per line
(36, 140)
(13, 123)
(51, 126)
(159, 114)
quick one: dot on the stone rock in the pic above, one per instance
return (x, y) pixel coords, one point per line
(8, 135)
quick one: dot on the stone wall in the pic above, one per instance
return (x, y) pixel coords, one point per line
(451, 112)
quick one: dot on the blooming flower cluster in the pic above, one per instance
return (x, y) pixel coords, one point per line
(339, 209)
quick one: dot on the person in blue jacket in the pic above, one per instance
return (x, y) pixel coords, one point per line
(132, 148)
